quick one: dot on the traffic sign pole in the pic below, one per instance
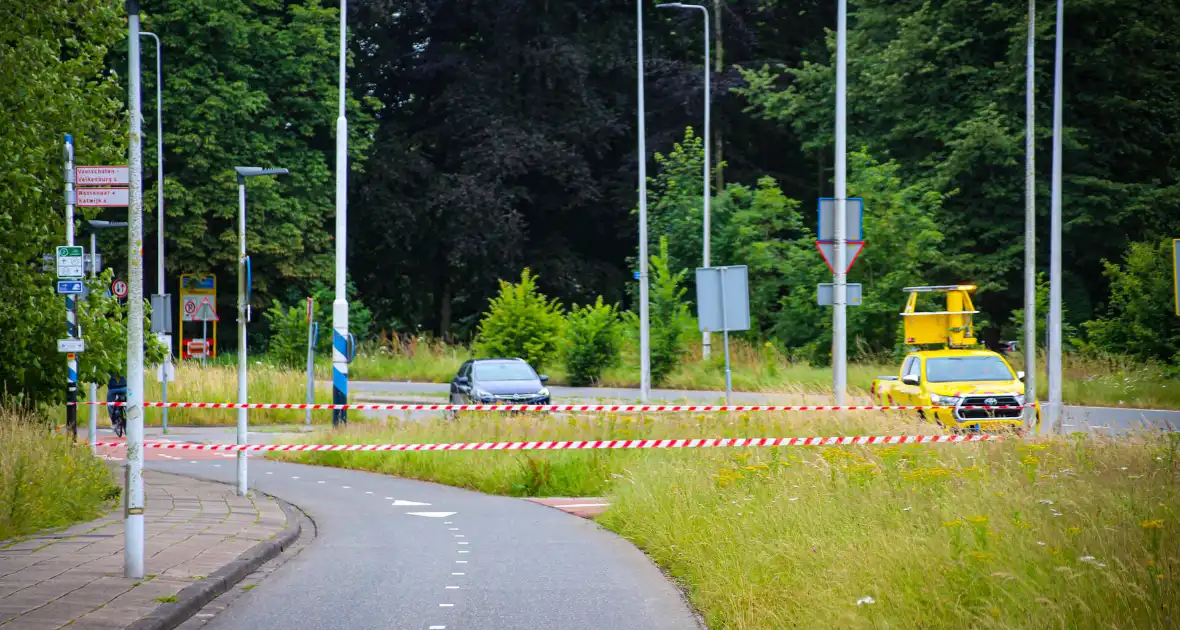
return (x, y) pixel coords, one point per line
(133, 535)
(71, 312)
(840, 298)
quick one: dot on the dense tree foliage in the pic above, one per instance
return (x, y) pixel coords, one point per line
(487, 137)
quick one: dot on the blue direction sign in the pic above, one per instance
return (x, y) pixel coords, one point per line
(69, 286)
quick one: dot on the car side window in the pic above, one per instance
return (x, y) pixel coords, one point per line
(905, 368)
(914, 368)
(465, 370)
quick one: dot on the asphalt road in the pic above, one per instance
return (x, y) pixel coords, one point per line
(1109, 420)
(395, 553)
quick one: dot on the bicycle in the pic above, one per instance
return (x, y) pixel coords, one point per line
(117, 392)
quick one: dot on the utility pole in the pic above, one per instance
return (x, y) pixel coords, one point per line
(71, 300)
(1030, 219)
(644, 337)
(340, 337)
(134, 495)
(718, 67)
(839, 280)
(160, 220)
(1054, 407)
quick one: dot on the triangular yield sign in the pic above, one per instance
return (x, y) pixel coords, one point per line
(205, 312)
(827, 249)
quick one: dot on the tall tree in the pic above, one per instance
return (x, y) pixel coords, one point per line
(52, 82)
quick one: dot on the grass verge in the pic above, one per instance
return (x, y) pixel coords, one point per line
(45, 481)
(1089, 380)
(1075, 532)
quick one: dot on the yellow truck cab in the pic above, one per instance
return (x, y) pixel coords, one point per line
(961, 377)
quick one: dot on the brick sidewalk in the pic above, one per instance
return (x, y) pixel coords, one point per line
(75, 576)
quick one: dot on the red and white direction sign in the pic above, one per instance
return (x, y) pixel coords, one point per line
(102, 176)
(119, 288)
(852, 249)
(102, 197)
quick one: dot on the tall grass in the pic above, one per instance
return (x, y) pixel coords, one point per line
(1068, 533)
(45, 481)
(218, 383)
(1105, 380)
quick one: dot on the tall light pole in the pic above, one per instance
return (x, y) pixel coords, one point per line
(134, 495)
(95, 226)
(160, 214)
(706, 349)
(644, 336)
(839, 280)
(244, 308)
(340, 336)
(1030, 218)
(1054, 407)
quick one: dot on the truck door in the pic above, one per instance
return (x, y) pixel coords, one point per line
(909, 394)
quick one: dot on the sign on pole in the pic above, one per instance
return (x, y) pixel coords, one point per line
(102, 176)
(103, 197)
(70, 345)
(1176, 272)
(119, 289)
(825, 293)
(723, 303)
(205, 311)
(854, 221)
(852, 251)
(69, 286)
(70, 262)
(723, 299)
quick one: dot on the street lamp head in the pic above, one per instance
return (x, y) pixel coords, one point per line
(675, 5)
(98, 225)
(255, 171)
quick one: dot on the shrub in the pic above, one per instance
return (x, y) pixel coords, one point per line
(669, 316)
(592, 335)
(521, 322)
(288, 335)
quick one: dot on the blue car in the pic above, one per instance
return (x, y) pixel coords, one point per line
(498, 381)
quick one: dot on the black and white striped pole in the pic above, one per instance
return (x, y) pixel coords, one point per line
(71, 300)
(341, 339)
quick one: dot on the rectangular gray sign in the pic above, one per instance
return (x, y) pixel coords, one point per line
(723, 287)
(825, 293)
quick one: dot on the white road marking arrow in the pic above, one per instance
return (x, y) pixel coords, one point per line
(401, 502)
(431, 514)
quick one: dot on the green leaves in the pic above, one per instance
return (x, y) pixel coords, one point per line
(593, 341)
(521, 323)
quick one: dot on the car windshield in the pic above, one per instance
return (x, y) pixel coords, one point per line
(506, 371)
(967, 369)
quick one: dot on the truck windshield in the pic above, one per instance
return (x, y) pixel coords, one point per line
(946, 370)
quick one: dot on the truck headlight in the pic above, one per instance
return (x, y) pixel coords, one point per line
(949, 401)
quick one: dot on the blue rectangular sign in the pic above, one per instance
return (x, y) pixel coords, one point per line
(69, 286)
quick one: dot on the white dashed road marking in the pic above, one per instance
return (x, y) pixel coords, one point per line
(400, 502)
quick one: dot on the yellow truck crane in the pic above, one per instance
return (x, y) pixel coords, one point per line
(976, 389)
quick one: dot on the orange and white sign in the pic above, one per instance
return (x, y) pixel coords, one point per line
(102, 197)
(102, 176)
(196, 348)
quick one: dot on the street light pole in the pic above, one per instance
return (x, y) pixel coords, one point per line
(340, 337)
(160, 215)
(244, 311)
(1054, 406)
(134, 495)
(1030, 219)
(706, 346)
(839, 288)
(644, 336)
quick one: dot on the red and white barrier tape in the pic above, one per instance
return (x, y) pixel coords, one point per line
(579, 445)
(607, 408)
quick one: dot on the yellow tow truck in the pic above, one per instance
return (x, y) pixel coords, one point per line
(976, 389)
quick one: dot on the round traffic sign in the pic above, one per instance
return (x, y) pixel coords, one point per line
(119, 288)
(190, 307)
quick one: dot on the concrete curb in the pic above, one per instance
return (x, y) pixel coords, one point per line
(192, 598)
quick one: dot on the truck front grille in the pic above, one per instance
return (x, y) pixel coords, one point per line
(1003, 400)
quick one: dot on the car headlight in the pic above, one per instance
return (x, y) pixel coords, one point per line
(544, 392)
(949, 401)
(481, 394)
(1020, 399)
